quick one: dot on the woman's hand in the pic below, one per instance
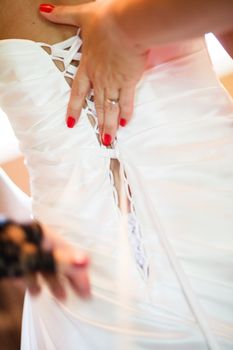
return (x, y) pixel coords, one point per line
(71, 265)
(110, 63)
(31, 251)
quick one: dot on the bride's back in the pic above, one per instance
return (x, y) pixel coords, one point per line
(177, 155)
(21, 20)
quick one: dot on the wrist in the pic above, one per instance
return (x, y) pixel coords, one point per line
(124, 27)
(125, 16)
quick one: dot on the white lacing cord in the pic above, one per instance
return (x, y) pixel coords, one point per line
(137, 244)
(134, 229)
(66, 52)
(136, 233)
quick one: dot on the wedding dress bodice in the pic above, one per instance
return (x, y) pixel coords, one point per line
(177, 157)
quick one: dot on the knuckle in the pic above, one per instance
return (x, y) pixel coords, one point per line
(111, 108)
(99, 108)
(73, 94)
(78, 93)
(109, 131)
(74, 108)
(74, 104)
(100, 126)
(110, 123)
(97, 77)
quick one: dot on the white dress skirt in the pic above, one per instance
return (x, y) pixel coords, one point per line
(163, 278)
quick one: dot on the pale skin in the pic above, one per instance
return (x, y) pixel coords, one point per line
(30, 24)
(119, 34)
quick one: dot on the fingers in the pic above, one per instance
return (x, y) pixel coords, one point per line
(99, 107)
(31, 281)
(55, 285)
(74, 271)
(71, 265)
(79, 280)
(77, 274)
(111, 115)
(116, 113)
(80, 88)
(72, 15)
(74, 267)
(126, 105)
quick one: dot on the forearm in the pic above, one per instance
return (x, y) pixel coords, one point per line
(14, 203)
(157, 22)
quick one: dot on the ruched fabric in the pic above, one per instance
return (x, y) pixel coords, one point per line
(177, 154)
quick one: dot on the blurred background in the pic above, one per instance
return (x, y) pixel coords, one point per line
(12, 161)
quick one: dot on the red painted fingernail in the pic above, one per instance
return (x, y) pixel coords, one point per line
(80, 263)
(123, 122)
(107, 140)
(46, 8)
(70, 122)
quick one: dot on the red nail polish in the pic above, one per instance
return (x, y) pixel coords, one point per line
(70, 122)
(80, 263)
(123, 122)
(46, 8)
(107, 140)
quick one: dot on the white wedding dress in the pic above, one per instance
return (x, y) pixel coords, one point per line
(166, 282)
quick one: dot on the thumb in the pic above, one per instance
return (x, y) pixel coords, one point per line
(72, 15)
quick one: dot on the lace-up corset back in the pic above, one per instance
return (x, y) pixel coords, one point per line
(66, 56)
(32, 78)
(179, 166)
